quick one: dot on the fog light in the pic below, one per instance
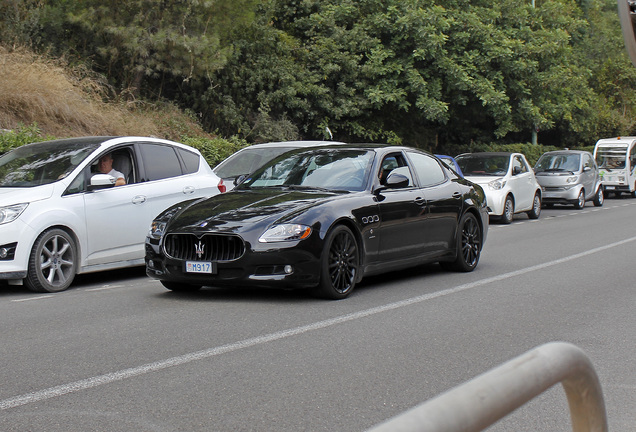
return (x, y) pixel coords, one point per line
(289, 269)
(3, 253)
(151, 264)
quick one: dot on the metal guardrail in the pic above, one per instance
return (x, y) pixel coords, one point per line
(479, 403)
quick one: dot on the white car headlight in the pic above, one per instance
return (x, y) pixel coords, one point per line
(285, 232)
(497, 184)
(572, 179)
(11, 213)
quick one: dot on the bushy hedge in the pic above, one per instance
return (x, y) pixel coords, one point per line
(216, 149)
(10, 139)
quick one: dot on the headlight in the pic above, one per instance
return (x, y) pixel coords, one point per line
(285, 232)
(572, 179)
(157, 229)
(11, 213)
(158, 226)
(497, 184)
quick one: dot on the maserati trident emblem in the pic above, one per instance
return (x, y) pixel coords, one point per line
(198, 249)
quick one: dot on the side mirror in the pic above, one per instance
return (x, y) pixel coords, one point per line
(396, 181)
(627, 15)
(240, 179)
(101, 181)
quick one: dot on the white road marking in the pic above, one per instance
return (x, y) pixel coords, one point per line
(259, 340)
(32, 298)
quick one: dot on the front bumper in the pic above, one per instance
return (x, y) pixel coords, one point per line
(495, 200)
(555, 195)
(17, 240)
(256, 268)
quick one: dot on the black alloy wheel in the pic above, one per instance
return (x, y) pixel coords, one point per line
(340, 264)
(53, 262)
(469, 245)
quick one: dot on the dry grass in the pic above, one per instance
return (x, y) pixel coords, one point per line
(66, 102)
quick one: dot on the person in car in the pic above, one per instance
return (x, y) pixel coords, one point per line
(105, 166)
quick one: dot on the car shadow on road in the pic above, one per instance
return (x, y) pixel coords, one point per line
(300, 295)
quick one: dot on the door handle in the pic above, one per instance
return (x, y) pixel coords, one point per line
(420, 201)
(457, 195)
(188, 190)
(139, 199)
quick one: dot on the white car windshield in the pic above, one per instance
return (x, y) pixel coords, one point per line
(332, 169)
(483, 164)
(41, 163)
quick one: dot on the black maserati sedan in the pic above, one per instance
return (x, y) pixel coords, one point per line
(322, 218)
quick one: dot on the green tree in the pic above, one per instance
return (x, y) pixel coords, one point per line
(417, 71)
(145, 46)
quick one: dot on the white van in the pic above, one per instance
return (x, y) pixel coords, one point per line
(616, 160)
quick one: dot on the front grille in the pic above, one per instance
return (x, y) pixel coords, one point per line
(208, 247)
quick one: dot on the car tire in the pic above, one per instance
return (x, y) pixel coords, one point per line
(180, 287)
(536, 207)
(580, 201)
(508, 211)
(469, 243)
(53, 262)
(599, 197)
(340, 263)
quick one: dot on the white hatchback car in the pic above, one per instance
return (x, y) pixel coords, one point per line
(508, 181)
(59, 216)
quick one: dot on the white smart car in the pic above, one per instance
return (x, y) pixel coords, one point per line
(60, 215)
(508, 181)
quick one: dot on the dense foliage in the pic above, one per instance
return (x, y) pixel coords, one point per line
(437, 74)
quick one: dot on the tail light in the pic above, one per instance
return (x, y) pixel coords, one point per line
(221, 186)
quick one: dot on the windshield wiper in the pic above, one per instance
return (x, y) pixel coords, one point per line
(299, 187)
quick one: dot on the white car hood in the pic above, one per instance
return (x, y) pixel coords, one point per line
(10, 196)
(482, 180)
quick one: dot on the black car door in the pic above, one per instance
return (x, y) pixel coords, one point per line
(402, 213)
(443, 203)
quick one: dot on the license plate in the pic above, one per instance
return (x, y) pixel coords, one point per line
(200, 267)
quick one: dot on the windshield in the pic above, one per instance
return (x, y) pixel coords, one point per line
(611, 157)
(333, 169)
(41, 163)
(247, 161)
(476, 164)
(558, 162)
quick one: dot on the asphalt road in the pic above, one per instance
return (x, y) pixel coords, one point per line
(118, 352)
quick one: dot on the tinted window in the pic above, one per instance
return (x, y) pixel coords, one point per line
(428, 170)
(160, 161)
(190, 159)
(394, 163)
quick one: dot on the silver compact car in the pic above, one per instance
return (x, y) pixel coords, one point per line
(85, 204)
(569, 177)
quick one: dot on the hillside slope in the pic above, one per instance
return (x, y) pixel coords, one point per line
(65, 102)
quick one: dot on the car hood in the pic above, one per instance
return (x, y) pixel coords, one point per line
(482, 180)
(10, 196)
(243, 209)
